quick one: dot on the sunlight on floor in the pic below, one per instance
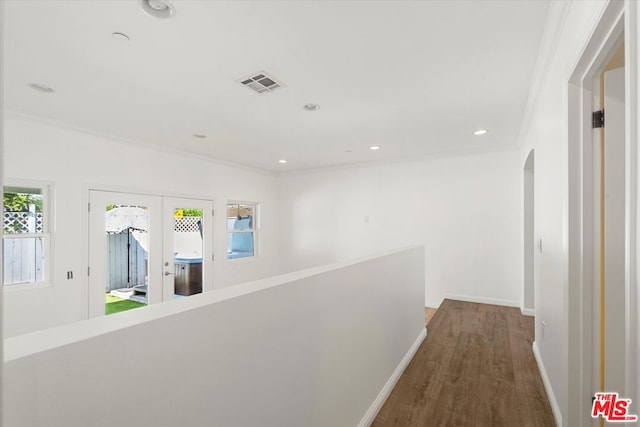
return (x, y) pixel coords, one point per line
(428, 314)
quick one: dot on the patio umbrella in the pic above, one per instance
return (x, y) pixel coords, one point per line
(127, 217)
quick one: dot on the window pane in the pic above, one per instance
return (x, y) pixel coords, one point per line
(22, 210)
(23, 260)
(240, 230)
(239, 217)
(239, 245)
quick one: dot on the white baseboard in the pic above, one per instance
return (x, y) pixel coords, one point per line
(557, 415)
(375, 407)
(528, 311)
(482, 300)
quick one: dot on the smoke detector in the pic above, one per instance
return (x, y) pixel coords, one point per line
(157, 8)
(262, 82)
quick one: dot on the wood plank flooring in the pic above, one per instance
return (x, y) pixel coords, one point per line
(475, 368)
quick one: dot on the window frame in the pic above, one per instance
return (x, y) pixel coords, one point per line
(255, 226)
(47, 190)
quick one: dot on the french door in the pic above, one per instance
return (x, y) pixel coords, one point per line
(147, 249)
(187, 247)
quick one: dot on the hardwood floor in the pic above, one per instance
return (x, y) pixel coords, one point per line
(475, 368)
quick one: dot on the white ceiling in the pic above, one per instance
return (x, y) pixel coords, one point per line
(416, 77)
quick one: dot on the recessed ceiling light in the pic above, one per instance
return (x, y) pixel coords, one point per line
(480, 132)
(282, 161)
(41, 88)
(311, 107)
(375, 147)
(199, 135)
(120, 36)
(157, 8)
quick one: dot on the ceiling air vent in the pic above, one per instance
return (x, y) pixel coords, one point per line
(262, 82)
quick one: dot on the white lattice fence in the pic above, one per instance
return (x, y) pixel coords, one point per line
(187, 224)
(22, 222)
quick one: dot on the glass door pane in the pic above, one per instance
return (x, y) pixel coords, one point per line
(188, 247)
(125, 243)
(187, 251)
(127, 234)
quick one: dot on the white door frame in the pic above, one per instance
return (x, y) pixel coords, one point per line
(632, 134)
(618, 17)
(614, 239)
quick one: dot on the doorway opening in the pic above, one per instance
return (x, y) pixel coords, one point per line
(528, 294)
(146, 249)
(601, 218)
(610, 194)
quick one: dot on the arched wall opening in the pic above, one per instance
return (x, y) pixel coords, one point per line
(528, 293)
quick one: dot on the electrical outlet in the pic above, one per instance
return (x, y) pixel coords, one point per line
(69, 275)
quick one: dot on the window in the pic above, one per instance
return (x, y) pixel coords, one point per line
(25, 237)
(241, 230)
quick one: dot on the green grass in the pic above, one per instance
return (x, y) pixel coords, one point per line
(116, 305)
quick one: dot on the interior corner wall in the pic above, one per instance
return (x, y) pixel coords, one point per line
(75, 161)
(465, 210)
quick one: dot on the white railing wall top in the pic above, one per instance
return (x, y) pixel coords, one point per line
(39, 341)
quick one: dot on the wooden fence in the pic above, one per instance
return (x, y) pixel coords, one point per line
(126, 260)
(23, 260)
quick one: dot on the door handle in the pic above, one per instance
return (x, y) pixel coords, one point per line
(166, 273)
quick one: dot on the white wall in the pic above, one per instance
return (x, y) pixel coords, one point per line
(74, 162)
(312, 349)
(465, 210)
(633, 126)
